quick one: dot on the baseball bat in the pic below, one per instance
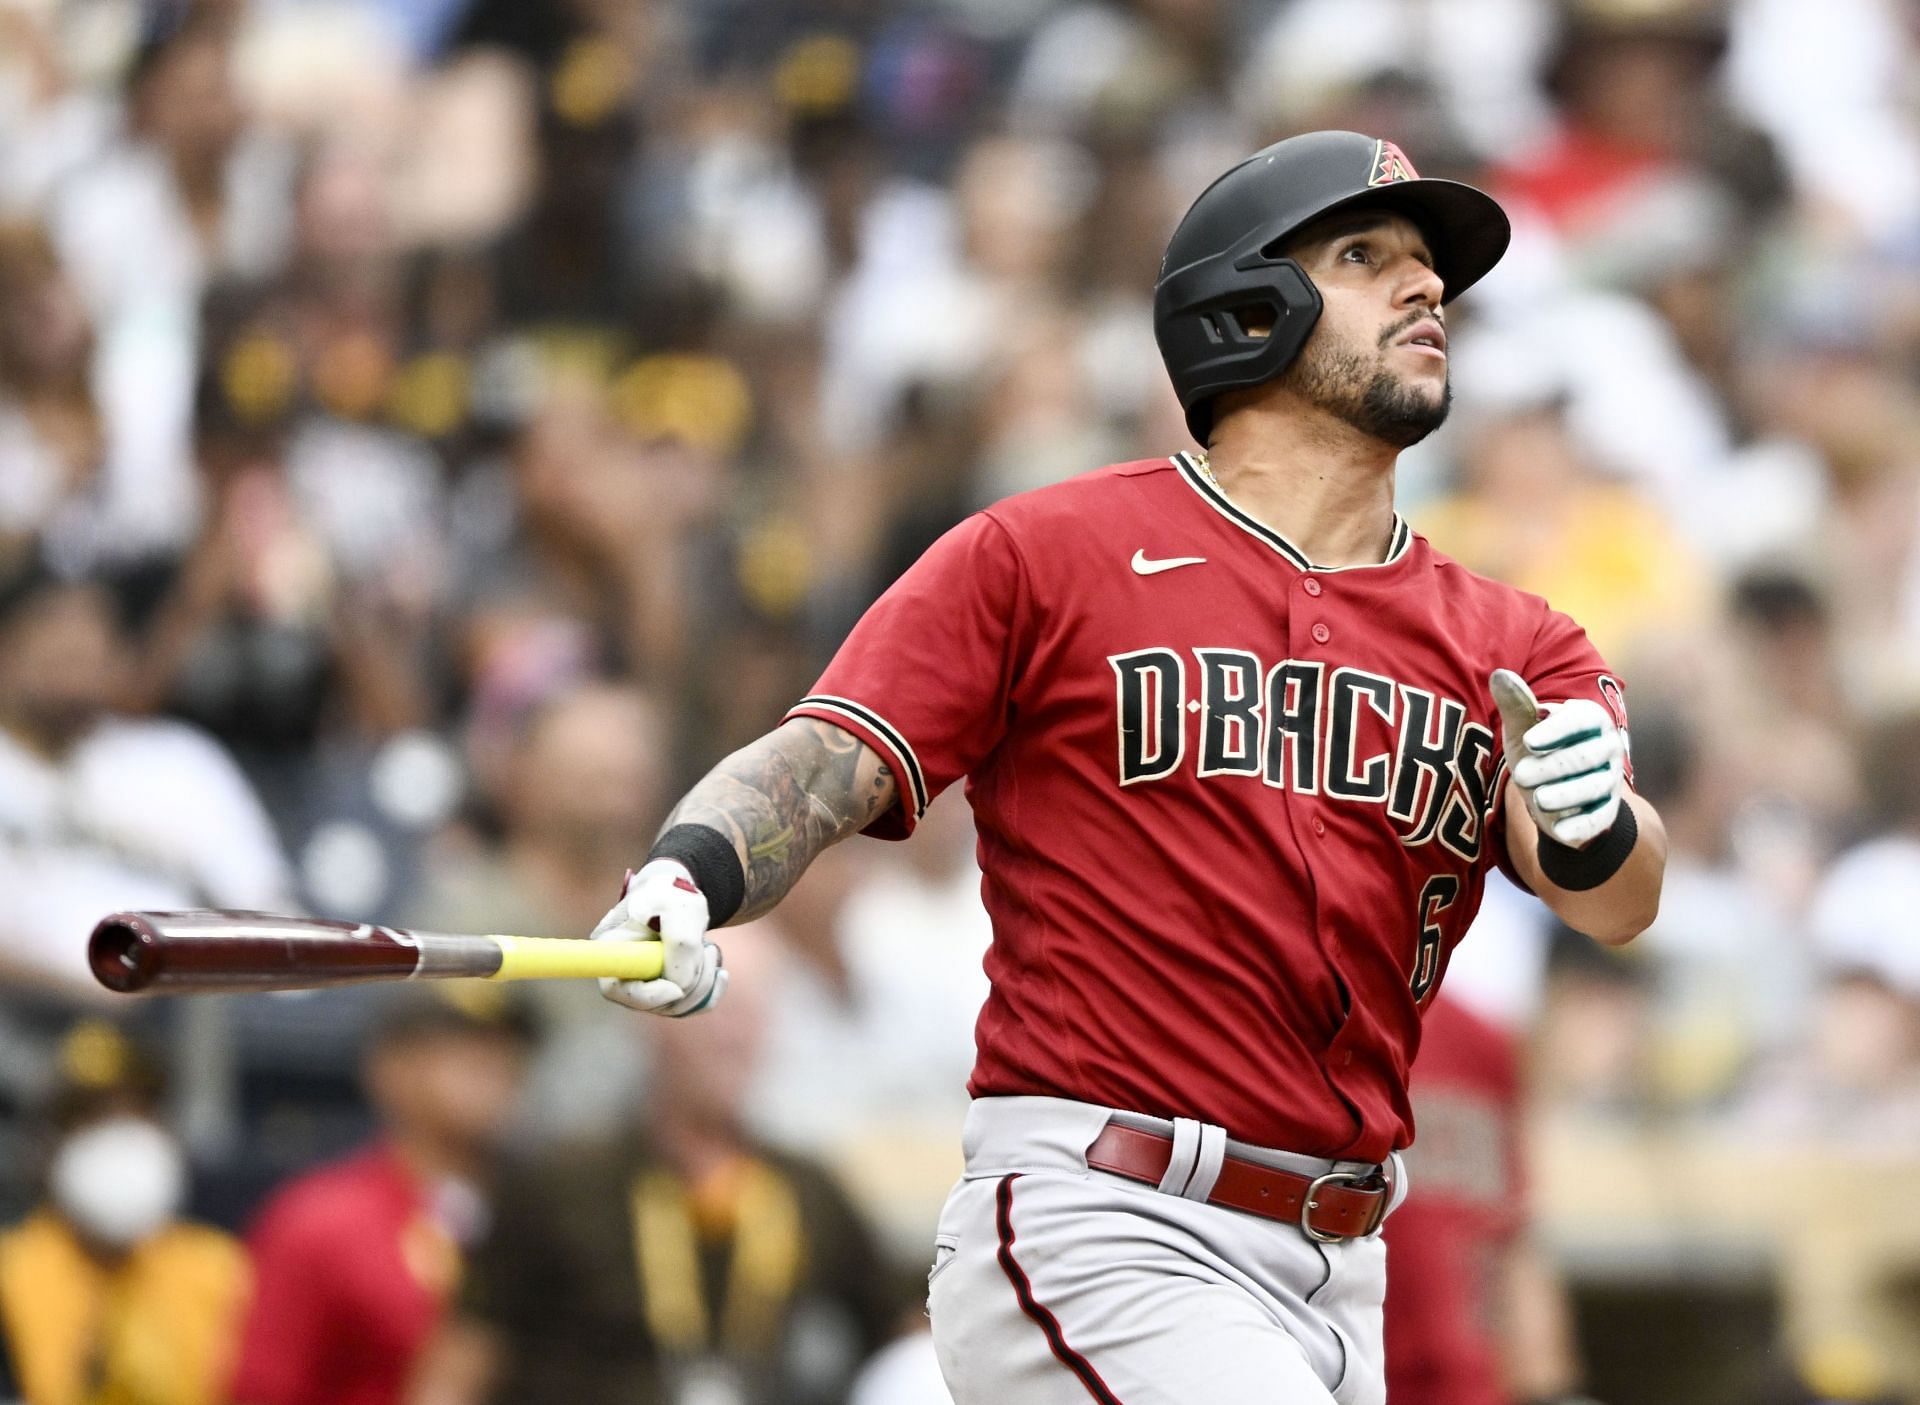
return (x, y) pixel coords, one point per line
(218, 950)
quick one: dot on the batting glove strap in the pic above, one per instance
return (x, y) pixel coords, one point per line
(710, 859)
(1577, 870)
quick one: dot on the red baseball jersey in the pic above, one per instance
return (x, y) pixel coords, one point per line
(351, 1268)
(1234, 809)
(1448, 1244)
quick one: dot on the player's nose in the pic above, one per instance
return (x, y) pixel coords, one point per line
(1420, 286)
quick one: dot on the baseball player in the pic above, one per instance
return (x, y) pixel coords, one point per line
(1240, 747)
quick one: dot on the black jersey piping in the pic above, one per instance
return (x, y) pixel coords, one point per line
(1189, 468)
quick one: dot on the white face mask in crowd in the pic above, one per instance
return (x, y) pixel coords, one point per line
(119, 1180)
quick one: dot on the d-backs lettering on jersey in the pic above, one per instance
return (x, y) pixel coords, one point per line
(1234, 808)
(1295, 724)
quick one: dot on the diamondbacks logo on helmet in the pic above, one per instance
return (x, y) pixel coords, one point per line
(1390, 164)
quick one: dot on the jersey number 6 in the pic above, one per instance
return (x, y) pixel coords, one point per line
(1435, 899)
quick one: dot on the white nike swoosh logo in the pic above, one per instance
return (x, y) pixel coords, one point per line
(1143, 567)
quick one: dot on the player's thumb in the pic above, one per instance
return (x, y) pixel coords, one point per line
(683, 930)
(1519, 709)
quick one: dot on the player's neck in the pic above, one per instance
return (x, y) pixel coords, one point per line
(433, 1159)
(691, 1145)
(1323, 485)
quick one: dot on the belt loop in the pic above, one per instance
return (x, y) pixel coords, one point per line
(1396, 1170)
(1213, 1152)
(1186, 1148)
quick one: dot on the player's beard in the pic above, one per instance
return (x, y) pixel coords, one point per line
(1366, 394)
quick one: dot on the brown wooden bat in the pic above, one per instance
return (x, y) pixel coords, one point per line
(219, 950)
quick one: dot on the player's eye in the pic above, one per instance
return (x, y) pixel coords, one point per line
(1357, 252)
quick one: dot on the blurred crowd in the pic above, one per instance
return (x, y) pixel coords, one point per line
(432, 432)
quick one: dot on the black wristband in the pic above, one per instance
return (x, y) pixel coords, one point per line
(709, 856)
(1577, 870)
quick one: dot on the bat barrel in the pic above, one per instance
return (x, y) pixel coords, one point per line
(215, 950)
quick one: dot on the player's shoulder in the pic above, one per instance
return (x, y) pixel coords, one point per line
(1461, 585)
(189, 1246)
(1114, 489)
(330, 1199)
(160, 754)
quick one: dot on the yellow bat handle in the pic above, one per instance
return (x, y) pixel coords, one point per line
(551, 958)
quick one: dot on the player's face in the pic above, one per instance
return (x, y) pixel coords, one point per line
(1378, 354)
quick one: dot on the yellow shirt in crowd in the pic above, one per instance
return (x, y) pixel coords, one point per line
(156, 1328)
(1606, 557)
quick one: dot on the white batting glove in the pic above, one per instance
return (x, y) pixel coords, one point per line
(1569, 760)
(662, 903)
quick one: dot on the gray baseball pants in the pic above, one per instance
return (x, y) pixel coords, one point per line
(1057, 1284)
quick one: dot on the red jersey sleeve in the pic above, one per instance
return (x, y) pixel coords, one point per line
(1561, 665)
(926, 676)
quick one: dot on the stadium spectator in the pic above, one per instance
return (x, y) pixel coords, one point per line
(208, 191)
(676, 1258)
(1855, 1078)
(99, 810)
(1787, 813)
(50, 431)
(1632, 86)
(576, 783)
(1475, 1313)
(871, 1043)
(1534, 508)
(1594, 1055)
(106, 1293)
(354, 1262)
(1729, 970)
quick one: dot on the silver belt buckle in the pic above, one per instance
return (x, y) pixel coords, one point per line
(1308, 1204)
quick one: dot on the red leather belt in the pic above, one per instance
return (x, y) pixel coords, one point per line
(1338, 1205)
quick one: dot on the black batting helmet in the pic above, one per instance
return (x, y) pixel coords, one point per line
(1224, 259)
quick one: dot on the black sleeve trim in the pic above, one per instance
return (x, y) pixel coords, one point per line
(916, 793)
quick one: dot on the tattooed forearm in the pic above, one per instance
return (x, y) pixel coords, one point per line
(783, 799)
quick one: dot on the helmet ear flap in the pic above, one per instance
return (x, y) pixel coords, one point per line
(1209, 321)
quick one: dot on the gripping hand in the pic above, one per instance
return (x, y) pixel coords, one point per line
(1569, 760)
(662, 902)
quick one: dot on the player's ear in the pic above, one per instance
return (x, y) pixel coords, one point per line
(1256, 320)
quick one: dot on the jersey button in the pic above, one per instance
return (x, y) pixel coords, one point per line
(1310, 585)
(1319, 826)
(1321, 634)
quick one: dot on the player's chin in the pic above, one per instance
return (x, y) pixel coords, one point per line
(1421, 395)
(1403, 410)
(1426, 381)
